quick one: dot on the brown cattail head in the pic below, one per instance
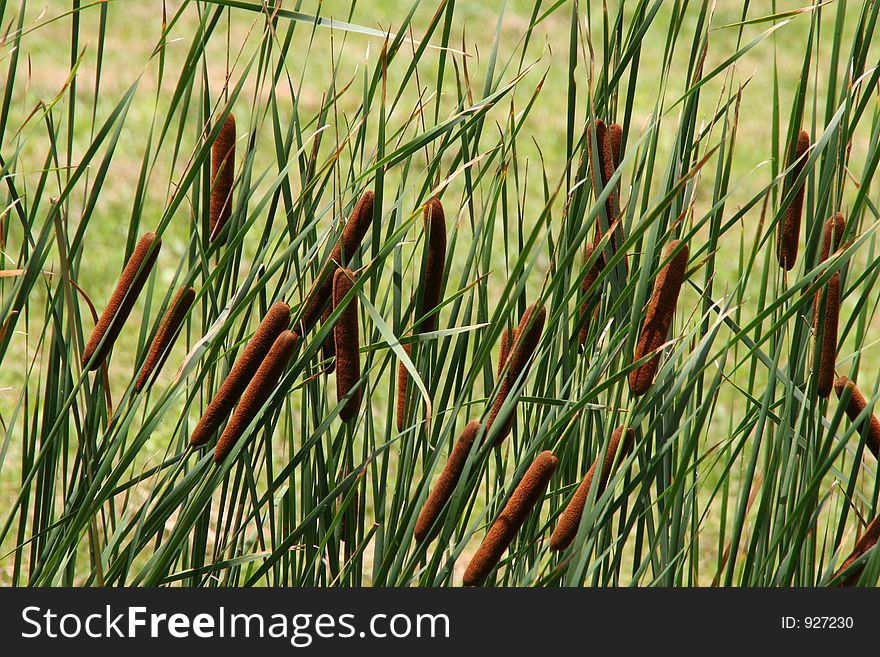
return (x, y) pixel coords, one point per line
(605, 159)
(832, 235)
(589, 279)
(435, 261)
(244, 369)
(525, 341)
(222, 174)
(118, 308)
(661, 309)
(328, 348)
(865, 543)
(402, 384)
(615, 138)
(788, 232)
(870, 428)
(164, 338)
(828, 348)
(525, 497)
(570, 519)
(257, 392)
(504, 352)
(345, 333)
(447, 482)
(351, 238)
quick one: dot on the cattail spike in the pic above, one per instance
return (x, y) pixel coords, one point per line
(328, 348)
(257, 392)
(435, 261)
(402, 383)
(525, 497)
(504, 352)
(870, 428)
(352, 236)
(345, 333)
(589, 279)
(131, 282)
(607, 165)
(615, 137)
(865, 543)
(570, 519)
(164, 338)
(828, 349)
(222, 175)
(661, 309)
(525, 341)
(276, 320)
(447, 482)
(832, 235)
(789, 229)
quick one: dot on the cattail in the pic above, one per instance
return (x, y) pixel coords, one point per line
(865, 543)
(869, 429)
(504, 351)
(832, 235)
(447, 482)
(525, 341)
(527, 494)
(328, 348)
(352, 236)
(570, 519)
(435, 260)
(789, 230)
(402, 383)
(661, 309)
(615, 138)
(345, 333)
(118, 308)
(257, 392)
(589, 279)
(828, 348)
(222, 173)
(229, 392)
(164, 338)
(605, 159)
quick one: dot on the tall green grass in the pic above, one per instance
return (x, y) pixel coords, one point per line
(739, 475)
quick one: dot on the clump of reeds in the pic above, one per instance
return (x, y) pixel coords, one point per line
(222, 173)
(870, 428)
(865, 543)
(789, 229)
(345, 334)
(831, 239)
(118, 308)
(661, 309)
(435, 261)
(164, 338)
(504, 350)
(525, 497)
(276, 320)
(328, 348)
(587, 283)
(447, 482)
(402, 384)
(525, 341)
(257, 392)
(352, 235)
(570, 520)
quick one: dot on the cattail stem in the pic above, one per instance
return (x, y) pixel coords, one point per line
(588, 281)
(345, 333)
(865, 543)
(402, 393)
(661, 309)
(570, 519)
(789, 230)
(131, 282)
(352, 235)
(244, 369)
(525, 497)
(447, 482)
(870, 428)
(164, 338)
(525, 341)
(222, 174)
(257, 392)
(435, 261)
(328, 347)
